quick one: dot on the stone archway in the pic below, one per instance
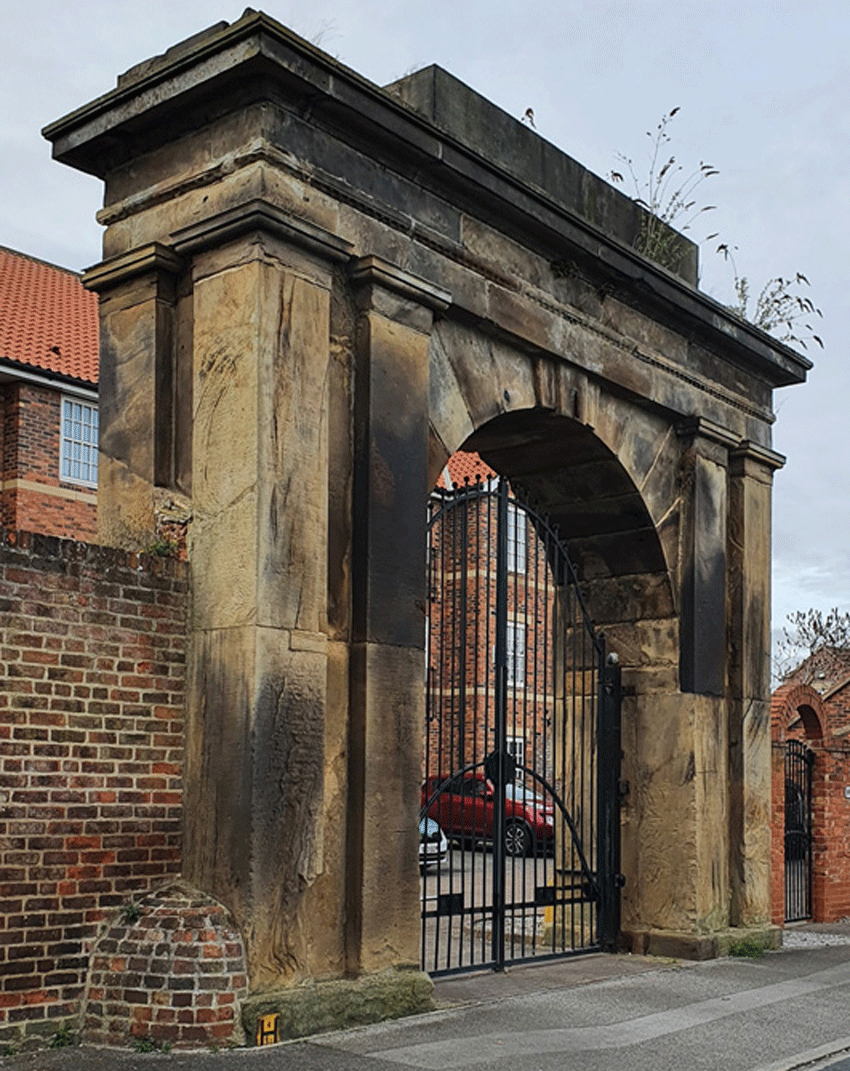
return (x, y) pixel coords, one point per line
(565, 468)
(313, 291)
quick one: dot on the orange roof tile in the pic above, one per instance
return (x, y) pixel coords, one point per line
(47, 319)
(464, 466)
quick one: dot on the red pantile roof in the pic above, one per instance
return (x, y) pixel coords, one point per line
(48, 321)
(464, 466)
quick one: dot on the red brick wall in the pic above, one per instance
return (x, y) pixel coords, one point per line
(462, 642)
(171, 970)
(777, 832)
(838, 704)
(799, 713)
(30, 452)
(92, 656)
(830, 834)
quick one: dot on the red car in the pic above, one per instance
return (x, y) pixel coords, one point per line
(465, 809)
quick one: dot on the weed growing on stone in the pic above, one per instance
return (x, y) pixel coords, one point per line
(778, 309)
(62, 1038)
(748, 948)
(669, 194)
(162, 548)
(149, 1045)
(130, 913)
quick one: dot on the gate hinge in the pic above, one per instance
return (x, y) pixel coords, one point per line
(623, 787)
(619, 881)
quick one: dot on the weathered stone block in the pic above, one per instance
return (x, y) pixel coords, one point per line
(334, 1005)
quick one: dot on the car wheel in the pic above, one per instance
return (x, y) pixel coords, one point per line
(517, 838)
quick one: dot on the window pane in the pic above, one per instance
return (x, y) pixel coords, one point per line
(516, 539)
(516, 654)
(78, 450)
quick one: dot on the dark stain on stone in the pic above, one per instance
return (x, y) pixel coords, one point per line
(289, 749)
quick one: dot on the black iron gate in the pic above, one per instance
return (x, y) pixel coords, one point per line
(522, 744)
(799, 760)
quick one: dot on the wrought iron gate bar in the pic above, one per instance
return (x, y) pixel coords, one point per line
(515, 682)
(799, 760)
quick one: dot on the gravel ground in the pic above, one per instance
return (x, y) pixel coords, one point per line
(815, 934)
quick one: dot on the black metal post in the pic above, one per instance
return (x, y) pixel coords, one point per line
(609, 878)
(501, 709)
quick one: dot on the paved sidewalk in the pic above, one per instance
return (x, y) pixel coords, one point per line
(784, 1010)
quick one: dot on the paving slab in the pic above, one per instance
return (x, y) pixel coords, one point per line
(782, 1011)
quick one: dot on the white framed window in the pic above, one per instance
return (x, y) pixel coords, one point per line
(78, 457)
(516, 654)
(516, 539)
(515, 747)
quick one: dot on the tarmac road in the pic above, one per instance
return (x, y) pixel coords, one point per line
(785, 1010)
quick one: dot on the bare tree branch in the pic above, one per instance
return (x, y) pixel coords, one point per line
(814, 646)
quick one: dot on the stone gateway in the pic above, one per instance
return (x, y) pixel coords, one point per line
(313, 292)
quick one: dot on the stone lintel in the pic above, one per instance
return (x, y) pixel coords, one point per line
(760, 456)
(264, 217)
(147, 259)
(375, 271)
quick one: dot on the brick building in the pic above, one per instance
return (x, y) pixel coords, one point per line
(810, 727)
(48, 399)
(461, 683)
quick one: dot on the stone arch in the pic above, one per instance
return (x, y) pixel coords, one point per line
(613, 476)
(488, 286)
(606, 470)
(566, 470)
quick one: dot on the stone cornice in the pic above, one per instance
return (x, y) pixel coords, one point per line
(374, 271)
(761, 455)
(148, 259)
(257, 59)
(260, 215)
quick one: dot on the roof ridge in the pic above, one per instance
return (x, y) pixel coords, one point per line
(40, 260)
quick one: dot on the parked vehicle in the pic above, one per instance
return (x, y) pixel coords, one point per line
(433, 846)
(464, 808)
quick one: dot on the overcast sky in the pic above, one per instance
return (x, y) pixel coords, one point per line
(764, 92)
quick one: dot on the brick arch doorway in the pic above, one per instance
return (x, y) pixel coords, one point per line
(798, 728)
(569, 499)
